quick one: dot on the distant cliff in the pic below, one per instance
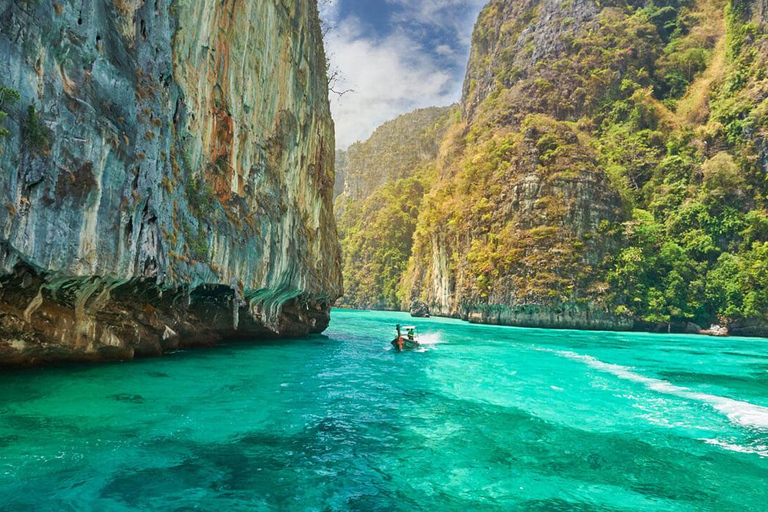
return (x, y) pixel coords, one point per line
(608, 171)
(167, 177)
(385, 178)
(393, 152)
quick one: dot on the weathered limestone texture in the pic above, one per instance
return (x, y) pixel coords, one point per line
(173, 186)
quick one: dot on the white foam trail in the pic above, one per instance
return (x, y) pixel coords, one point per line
(430, 339)
(760, 450)
(741, 413)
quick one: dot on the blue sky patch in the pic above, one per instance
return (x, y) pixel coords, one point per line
(396, 56)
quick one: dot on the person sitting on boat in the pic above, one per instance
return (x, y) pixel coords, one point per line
(410, 341)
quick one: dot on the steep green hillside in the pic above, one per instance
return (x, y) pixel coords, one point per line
(608, 170)
(385, 180)
(393, 152)
(611, 169)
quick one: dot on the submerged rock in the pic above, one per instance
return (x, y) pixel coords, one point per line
(419, 309)
(167, 180)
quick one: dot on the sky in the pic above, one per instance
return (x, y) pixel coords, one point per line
(395, 56)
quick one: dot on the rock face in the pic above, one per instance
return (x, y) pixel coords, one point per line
(570, 316)
(691, 328)
(419, 310)
(515, 228)
(515, 41)
(393, 152)
(168, 177)
(606, 169)
(716, 330)
(521, 246)
(342, 164)
(750, 327)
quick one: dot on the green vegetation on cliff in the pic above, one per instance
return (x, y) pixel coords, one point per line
(376, 235)
(386, 178)
(694, 248)
(7, 98)
(610, 155)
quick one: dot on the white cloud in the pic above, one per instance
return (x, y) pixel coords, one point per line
(389, 77)
(445, 51)
(455, 15)
(400, 72)
(329, 10)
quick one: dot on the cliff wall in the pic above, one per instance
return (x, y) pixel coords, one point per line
(608, 170)
(394, 151)
(167, 179)
(516, 227)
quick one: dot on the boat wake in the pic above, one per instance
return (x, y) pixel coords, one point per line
(741, 413)
(431, 339)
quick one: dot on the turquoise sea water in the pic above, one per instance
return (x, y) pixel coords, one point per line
(485, 418)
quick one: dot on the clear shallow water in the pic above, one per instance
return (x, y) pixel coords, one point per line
(486, 418)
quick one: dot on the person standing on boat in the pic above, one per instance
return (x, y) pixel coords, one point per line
(398, 341)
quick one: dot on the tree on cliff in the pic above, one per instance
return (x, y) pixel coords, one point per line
(7, 98)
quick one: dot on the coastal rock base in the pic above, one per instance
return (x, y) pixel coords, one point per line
(568, 316)
(419, 310)
(749, 327)
(47, 319)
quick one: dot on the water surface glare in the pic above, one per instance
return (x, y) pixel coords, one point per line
(483, 418)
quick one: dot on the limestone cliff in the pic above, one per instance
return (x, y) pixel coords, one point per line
(608, 170)
(393, 151)
(516, 227)
(519, 244)
(342, 164)
(167, 179)
(385, 179)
